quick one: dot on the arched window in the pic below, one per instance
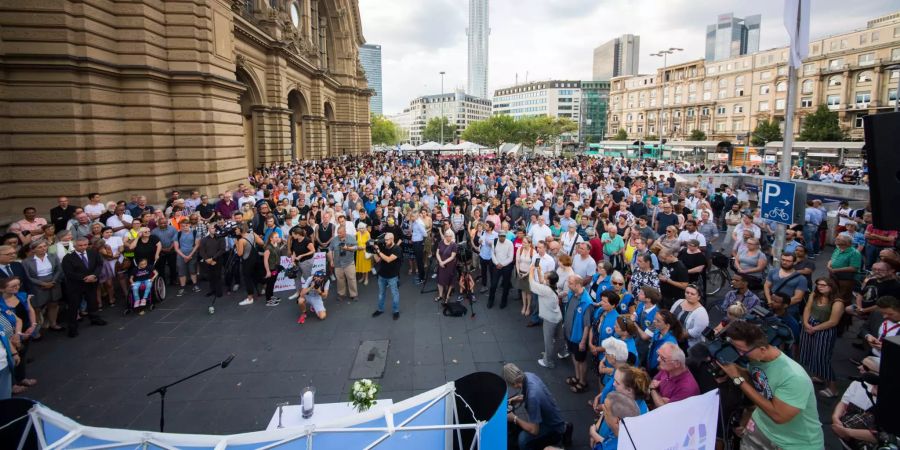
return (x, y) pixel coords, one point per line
(781, 86)
(806, 87)
(834, 81)
(723, 83)
(864, 77)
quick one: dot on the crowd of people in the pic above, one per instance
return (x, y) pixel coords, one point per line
(607, 256)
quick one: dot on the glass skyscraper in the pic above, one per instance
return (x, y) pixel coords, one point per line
(594, 104)
(478, 32)
(370, 58)
(732, 36)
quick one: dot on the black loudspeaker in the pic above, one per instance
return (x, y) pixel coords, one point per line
(889, 389)
(883, 159)
(14, 425)
(481, 396)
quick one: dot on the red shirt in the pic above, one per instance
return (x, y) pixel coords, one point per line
(678, 387)
(890, 234)
(596, 248)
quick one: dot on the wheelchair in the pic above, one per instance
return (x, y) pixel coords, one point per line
(157, 295)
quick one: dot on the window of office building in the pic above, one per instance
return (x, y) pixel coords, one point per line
(892, 95)
(738, 108)
(707, 85)
(806, 87)
(707, 95)
(739, 81)
(863, 97)
(864, 77)
(739, 92)
(690, 112)
(723, 93)
(866, 59)
(782, 71)
(723, 83)
(858, 120)
(704, 111)
(737, 125)
(779, 104)
(833, 101)
(763, 106)
(835, 64)
(720, 110)
(806, 102)
(720, 126)
(781, 86)
(809, 69)
(764, 89)
(834, 81)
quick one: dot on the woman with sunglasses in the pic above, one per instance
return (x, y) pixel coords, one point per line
(821, 317)
(670, 241)
(626, 304)
(691, 314)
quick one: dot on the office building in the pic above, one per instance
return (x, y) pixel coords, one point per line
(594, 105)
(850, 73)
(458, 107)
(478, 32)
(616, 58)
(370, 58)
(553, 98)
(731, 37)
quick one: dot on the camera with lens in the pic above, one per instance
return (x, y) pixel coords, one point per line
(373, 246)
(228, 229)
(718, 347)
(293, 271)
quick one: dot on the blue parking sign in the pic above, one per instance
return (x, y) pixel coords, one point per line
(777, 201)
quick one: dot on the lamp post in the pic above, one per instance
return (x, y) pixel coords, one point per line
(664, 54)
(896, 67)
(442, 107)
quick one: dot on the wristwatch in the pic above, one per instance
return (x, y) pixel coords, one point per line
(738, 380)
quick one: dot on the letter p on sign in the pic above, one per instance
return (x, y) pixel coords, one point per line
(772, 191)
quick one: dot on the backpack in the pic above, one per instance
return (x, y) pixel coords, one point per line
(718, 203)
(455, 309)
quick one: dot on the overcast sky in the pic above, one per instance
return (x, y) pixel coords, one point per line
(555, 38)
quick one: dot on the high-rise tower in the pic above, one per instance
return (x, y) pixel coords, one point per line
(370, 58)
(478, 32)
(732, 36)
(619, 56)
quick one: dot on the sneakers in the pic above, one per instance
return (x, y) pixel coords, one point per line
(180, 292)
(546, 364)
(302, 319)
(245, 302)
(294, 297)
(274, 301)
(563, 355)
(196, 288)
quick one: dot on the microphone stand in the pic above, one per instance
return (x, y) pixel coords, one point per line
(163, 389)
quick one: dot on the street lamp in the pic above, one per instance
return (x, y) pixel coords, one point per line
(442, 107)
(664, 54)
(896, 67)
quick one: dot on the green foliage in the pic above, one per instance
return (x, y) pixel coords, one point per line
(384, 132)
(697, 135)
(492, 131)
(650, 138)
(822, 125)
(621, 135)
(766, 131)
(433, 130)
(529, 131)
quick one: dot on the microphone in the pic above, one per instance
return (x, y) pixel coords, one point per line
(228, 361)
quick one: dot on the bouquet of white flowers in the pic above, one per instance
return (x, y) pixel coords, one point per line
(362, 395)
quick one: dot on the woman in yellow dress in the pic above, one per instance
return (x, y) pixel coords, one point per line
(363, 264)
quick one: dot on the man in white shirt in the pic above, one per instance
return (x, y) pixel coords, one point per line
(582, 263)
(690, 232)
(95, 207)
(539, 231)
(501, 269)
(889, 307)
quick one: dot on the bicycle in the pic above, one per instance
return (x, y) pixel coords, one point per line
(719, 274)
(778, 213)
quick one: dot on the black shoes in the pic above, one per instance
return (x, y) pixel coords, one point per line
(377, 313)
(97, 321)
(396, 315)
(73, 332)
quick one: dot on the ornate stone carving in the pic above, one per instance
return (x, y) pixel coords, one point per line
(239, 5)
(295, 42)
(240, 61)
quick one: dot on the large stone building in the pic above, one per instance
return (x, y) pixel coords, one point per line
(458, 107)
(849, 72)
(123, 97)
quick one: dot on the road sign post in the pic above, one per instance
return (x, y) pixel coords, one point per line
(777, 201)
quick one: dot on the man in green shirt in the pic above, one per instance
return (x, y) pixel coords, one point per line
(786, 416)
(845, 266)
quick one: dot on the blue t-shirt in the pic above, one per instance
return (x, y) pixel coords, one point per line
(186, 241)
(656, 342)
(542, 410)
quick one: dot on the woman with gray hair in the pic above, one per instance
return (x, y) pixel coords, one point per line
(446, 270)
(45, 275)
(616, 356)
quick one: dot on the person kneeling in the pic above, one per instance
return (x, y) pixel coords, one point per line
(141, 279)
(312, 295)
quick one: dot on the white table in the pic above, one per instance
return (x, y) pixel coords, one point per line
(324, 413)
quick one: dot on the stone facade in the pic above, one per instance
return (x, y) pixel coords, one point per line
(849, 72)
(123, 97)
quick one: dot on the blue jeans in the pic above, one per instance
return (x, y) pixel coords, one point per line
(811, 236)
(871, 254)
(137, 286)
(544, 438)
(6, 381)
(385, 283)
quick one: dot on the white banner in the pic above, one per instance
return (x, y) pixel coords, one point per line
(689, 424)
(319, 262)
(283, 283)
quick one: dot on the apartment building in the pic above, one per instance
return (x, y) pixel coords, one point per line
(458, 107)
(854, 73)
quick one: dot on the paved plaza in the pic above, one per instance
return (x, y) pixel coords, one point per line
(102, 377)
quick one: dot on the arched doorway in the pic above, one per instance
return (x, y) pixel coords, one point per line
(298, 106)
(329, 118)
(250, 97)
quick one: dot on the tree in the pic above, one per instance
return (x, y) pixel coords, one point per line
(433, 130)
(542, 130)
(384, 132)
(651, 138)
(766, 131)
(621, 135)
(697, 135)
(822, 125)
(492, 131)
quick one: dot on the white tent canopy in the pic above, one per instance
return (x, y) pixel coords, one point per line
(430, 145)
(407, 147)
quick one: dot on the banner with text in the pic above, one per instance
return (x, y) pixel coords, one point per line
(689, 424)
(283, 283)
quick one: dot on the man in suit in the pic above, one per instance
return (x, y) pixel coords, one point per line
(11, 268)
(81, 269)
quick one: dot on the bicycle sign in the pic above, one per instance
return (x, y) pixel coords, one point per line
(777, 201)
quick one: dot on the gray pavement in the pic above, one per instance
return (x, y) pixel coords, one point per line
(101, 377)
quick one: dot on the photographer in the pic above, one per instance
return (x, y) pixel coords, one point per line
(313, 294)
(543, 425)
(387, 256)
(786, 415)
(342, 257)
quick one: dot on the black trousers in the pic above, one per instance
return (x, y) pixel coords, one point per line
(214, 277)
(419, 252)
(485, 265)
(270, 282)
(74, 295)
(499, 276)
(167, 261)
(249, 276)
(233, 276)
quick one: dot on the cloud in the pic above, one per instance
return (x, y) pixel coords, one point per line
(555, 38)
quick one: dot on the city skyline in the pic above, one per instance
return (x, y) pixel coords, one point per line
(370, 58)
(423, 37)
(478, 32)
